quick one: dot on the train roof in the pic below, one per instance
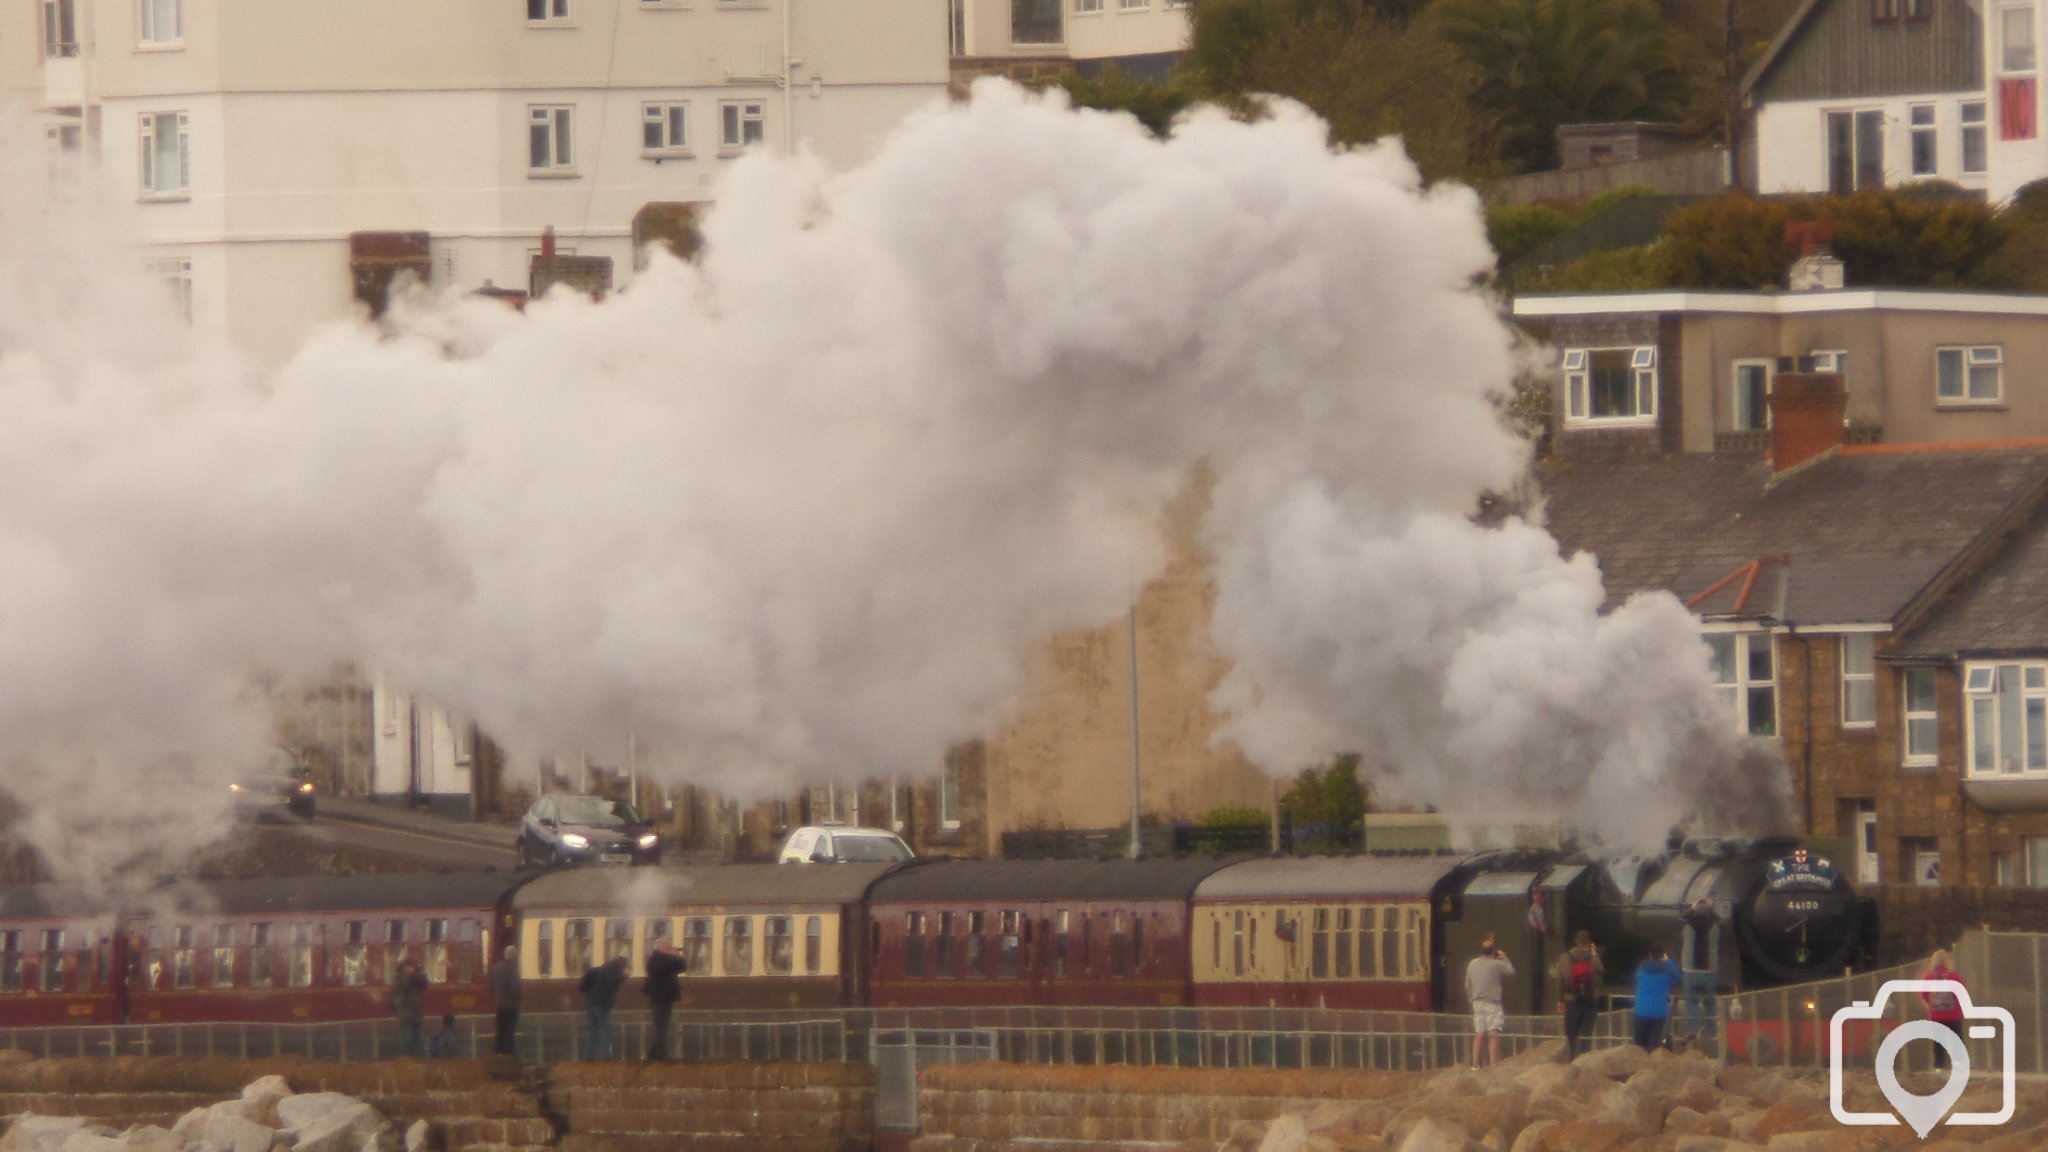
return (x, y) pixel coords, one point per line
(1329, 876)
(49, 901)
(701, 884)
(1172, 879)
(423, 891)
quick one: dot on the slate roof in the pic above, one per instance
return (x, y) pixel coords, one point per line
(2004, 609)
(1329, 877)
(1851, 538)
(705, 884)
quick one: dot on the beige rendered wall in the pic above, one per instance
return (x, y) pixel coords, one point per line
(1907, 341)
(1065, 761)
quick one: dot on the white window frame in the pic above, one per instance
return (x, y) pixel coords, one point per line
(1976, 136)
(60, 17)
(673, 119)
(1929, 717)
(560, 121)
(1133, 5)
(1739, 685)
(734, 118)
(1863, 678)
(1921, 128)
(2034, 851)
(150, 17)
(542, 13)
(1578, 378)
(1770, 369)
(949, 797)
(176, 274)
(1830, 360)
(153, 125)
(2017, 55)
(1984, 686)
(1970, 360)
(1087, 7)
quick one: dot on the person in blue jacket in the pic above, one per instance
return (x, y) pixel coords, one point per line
(1656, 978)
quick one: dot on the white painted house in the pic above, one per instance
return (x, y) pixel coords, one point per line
(1079, 30)
(282, 152)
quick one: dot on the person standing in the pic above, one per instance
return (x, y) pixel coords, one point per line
(448, 1041)
(408, 995)
(1484, 978)
(1656, 978)
(1699, 959)
(1944, 1008)
(600, 987)
(505, 992)
(664, 987)
(1578, 992)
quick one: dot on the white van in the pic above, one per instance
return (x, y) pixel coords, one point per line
(843, 844)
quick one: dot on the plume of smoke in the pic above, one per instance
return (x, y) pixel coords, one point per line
(798, 511)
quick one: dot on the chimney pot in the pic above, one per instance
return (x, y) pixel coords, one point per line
(1808, 416)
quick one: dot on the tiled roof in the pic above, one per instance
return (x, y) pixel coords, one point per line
(1849, 538)
(2004, 609)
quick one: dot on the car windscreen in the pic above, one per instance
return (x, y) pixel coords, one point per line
(869, 849)
(596, 811)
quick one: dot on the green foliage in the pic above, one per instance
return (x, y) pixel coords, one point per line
(1613, 196)
(1615, 270)
(1513, 229)
(1231, 815)
(1543, 63)
(1228, 38)
(1884, 238)
(2031, 200)
(1327, 807)
(1154, 104)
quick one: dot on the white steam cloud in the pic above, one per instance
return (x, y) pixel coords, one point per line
(801, 510)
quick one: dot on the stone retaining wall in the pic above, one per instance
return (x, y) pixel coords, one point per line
(716, 1107)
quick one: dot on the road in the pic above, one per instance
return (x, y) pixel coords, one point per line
(467, 850)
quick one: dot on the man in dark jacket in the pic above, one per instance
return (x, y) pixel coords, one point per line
(1578, 993)
(505, 991)
(408, 991)
(600, 988)
(664, 988)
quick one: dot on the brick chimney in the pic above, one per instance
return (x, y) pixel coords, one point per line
(1808, 411)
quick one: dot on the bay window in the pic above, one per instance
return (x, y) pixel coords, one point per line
(2006, 718)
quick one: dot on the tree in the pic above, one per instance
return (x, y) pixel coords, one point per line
(1894, 238)
(1327, 807)
(1154, 104)
(1543, 63)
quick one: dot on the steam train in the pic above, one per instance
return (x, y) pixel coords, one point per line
(1383, 932)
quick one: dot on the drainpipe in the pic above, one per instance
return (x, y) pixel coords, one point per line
(788, 82)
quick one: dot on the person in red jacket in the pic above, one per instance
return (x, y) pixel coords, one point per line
(1944, 1008)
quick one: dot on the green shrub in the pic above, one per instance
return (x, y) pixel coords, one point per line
(1514, 229)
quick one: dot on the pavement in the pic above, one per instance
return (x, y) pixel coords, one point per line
(418, 821)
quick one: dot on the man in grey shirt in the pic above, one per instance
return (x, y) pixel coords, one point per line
(1483, 981)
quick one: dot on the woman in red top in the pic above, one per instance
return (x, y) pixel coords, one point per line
(1944, 1008)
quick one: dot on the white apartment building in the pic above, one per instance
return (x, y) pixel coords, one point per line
(1070, 29)
(288, 158)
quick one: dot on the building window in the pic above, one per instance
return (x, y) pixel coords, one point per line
(1133, 5)
(1885, 11)
(664, 127)
(66, 138)
(1745, 675)
(1974, 151)
(163, 21)
(1830, 360)
(1035, 22)
(1969, 375)
(1859, 680)
(1617, 384)
(2037, 861)
(949, 795)
(1752, 395)
(742, 124)
(547, 11)
(1087, 7)
(60, 28)
(1922, 855)
(2007, 714)
(1923, 732)
(1920, 118)
(548, 138)
(956, 26)
(1855, 151)
(166, 159)
(2016, 36)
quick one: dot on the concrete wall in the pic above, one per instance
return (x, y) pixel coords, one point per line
(1698, 173)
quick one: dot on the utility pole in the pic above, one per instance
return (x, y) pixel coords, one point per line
(1733, 68)
(1137, 845)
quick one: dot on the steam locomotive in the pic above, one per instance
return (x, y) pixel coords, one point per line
(1387, 932)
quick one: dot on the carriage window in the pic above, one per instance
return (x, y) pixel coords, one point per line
(739, 946)
(778, 945)
(394, 949)
(1137, 943)
(913, 944)
(1390, 943)
(1319, 944)
(659, 931)
(223, 955)
(260, 967)
(1413, 941)
(576, 947)
(10, 960)
(1010, 946)
(943, 951)
(184, 958)
(302, 955)
(1342, 953)
(814, 945)
(436, 966)
(153, 959)
(697, 946)
(1087, 943)
(1251, 944)
(544, 948)
(1119, 961)
(977, 945)
(1216, 943)
(1368, 943)
(618, 940)
(1060, 930)
(1237, 943)
(52, 964)
(355, 968)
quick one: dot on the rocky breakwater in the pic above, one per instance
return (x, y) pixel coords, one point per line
(1625, 1100)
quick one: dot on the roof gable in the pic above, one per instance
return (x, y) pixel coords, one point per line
(1835, 49)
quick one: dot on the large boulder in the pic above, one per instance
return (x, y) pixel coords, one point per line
(227, 1131)
(1617, 1063)
(1287, 1134)
(331, 1122)
(93, 1138)
(42, 1133)
(1431, 1136)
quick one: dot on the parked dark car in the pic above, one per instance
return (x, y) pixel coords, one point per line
(585, 829)
(280, 780)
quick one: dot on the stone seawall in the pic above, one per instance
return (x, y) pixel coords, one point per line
(716, 1107)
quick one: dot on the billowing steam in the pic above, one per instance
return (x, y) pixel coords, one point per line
(801, 510)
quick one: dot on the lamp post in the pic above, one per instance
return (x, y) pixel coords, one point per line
(1137, 846)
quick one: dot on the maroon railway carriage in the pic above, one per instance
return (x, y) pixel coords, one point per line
(1112, 933)
(285, 949)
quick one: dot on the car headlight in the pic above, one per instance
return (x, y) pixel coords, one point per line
(575, 840)
(649, 840)
(234, 787)
(307, 788)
